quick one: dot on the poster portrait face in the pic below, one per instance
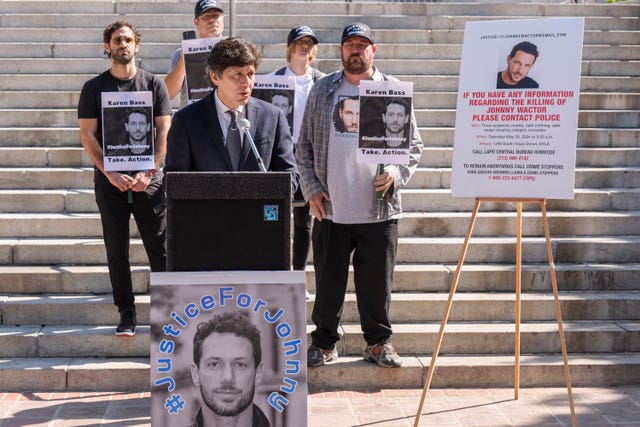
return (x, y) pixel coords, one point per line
(518, 66)
(346, 115)
(395, 118)
(137, 127)
(282, 102)
(226, 373)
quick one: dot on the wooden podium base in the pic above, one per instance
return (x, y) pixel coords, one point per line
(454, 285)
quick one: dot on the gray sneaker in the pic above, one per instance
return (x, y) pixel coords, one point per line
(383, 354)
(317, 356)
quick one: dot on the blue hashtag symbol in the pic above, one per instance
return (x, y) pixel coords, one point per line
(174, 404)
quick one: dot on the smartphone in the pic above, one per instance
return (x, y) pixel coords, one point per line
(188, 35)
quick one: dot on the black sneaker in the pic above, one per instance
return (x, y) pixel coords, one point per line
(317, 356)
(383, 354)
(127, 325)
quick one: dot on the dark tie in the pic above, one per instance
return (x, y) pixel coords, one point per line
(234, 139)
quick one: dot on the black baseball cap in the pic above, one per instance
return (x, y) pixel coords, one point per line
(356, 29)
(203, 5)
(299, 32)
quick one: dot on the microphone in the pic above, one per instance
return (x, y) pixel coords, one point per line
(243, 127)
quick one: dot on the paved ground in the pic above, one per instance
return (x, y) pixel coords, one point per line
(595, 407)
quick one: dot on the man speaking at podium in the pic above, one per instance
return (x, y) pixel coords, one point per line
(212, 134)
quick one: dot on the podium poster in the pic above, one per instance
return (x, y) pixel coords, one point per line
(279, 91)
(384, 131)
(228, 345)
(196, 52)
(127, 131)
(517, 109)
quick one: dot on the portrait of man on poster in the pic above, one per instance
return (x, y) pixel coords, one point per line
(227, 366)
(346, 114)
(138, 128)
(519, 63)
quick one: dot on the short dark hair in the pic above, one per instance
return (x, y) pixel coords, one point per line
(232, 52)
(138, 110)
(526, 47)
(337, 121)
(231, 322)
(400, 101)
(112, 28)
(283, 93)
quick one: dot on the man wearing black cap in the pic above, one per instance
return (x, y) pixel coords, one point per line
(302, 50)
(209, 21)
(348, 216)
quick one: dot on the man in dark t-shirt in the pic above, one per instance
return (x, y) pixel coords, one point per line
(122, 193)
(519, 63)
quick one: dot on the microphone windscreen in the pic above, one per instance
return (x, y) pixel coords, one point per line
(244, 125)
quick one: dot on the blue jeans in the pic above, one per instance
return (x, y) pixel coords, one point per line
(374, 247)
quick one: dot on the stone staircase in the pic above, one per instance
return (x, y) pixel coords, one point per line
(57, 319)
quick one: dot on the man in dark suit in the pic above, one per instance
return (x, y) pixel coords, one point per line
(204, 135)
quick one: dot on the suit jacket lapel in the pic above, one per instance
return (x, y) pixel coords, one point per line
(214, 130)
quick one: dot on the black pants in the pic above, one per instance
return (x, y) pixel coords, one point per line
(301, 236)
(148, 209)
(374, 248)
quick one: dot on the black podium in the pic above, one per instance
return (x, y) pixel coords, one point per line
(228, 221)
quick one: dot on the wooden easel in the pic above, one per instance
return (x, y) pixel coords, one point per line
(454, 285)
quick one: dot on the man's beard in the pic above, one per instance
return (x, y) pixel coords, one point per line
(245, 400)
(123, 58)
(356, 64)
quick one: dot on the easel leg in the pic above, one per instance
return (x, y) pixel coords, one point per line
(516, 368)
(447, 311)
(554, 284)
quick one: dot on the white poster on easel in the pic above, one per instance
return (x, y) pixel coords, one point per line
(517, 109)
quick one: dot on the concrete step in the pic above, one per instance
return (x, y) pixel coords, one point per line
(388, 64)
(592, 199)
(478, 371)
(417, 224)
(415, 339)
(42, 157)
(21, 225)
(65, 279)
(74, 373)
(60, 200)
(74, 279)
(598, 249)
(29, 137)
(71, 341)
(500, 306)
(579, 249)
(434, 156)
(618, 177)
(413, 200)
(10, 99)
(47, 79)
(132, 374)
(423, 224)
(502, 277)
(441, 46)
(49, 178)
(69, 309)
(406, 307)
(54, 251)
(40, 136)
(499, 337)
(476, 10)
(66, 117)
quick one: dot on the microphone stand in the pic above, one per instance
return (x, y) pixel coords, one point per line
(244, 126)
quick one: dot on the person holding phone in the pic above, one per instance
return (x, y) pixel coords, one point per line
(209, 22)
